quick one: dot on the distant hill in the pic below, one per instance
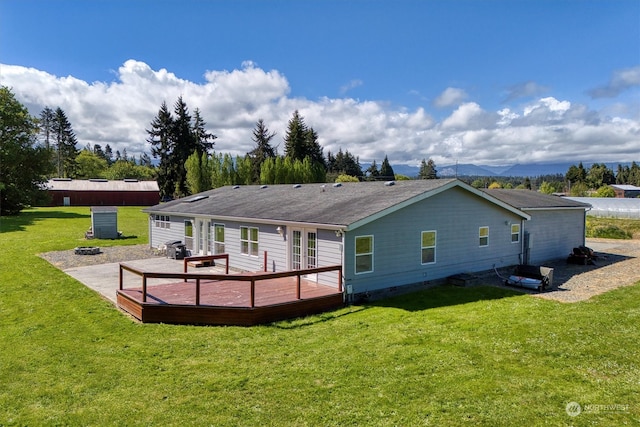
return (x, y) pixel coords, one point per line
(469, 169)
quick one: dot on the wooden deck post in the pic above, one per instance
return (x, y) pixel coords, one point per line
(265, 262)
(144, 287)
(340, 279)
(253, 293)
(198, 291)
(298, 286)
(120, 277)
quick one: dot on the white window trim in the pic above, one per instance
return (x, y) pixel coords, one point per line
(162, 221)
(356, 255)
(518, 233)
(215, 236)
(480, 236)
(435, 245)
(249, 241)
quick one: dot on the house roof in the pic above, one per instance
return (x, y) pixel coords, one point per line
(527, 199)
(347, 206)
(626, 187)
(63, 184)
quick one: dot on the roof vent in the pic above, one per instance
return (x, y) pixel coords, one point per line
(195, 199)
(337, 184)
(235, 187)
(262, 187)
(61, 179)
(98, 180)
(297, 185)
(130, 180)
(390, 183)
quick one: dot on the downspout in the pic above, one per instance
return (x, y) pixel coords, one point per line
(584, 227)
(522, 248)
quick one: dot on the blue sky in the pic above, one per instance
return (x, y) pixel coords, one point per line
(490, 82)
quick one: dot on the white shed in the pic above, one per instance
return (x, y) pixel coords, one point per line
(104, 222)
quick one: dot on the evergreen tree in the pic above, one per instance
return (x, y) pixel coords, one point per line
(173, 140)
(108, 154)
(65, 140)
(161, 140)
(47, 117)
(263, 149)
(576, 173)
(24, 165)
(184, 145)
(634, 174)
(386, 171)
(295, 137)
(301, 141)
(372, 171)
(428, 170)
(145, 160)
(204, 141)
(622, 174)
(344, 163)
(313, 148)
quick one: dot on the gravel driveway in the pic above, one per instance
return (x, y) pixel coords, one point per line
(618, 265)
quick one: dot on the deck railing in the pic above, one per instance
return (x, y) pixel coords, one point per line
(246, 277)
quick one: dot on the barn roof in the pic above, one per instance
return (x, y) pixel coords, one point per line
(63, 184)
(347, 205)
(527, 199)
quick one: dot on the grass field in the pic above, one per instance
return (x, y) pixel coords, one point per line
(443, 357)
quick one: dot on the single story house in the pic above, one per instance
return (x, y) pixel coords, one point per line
(384, 234)
(102, 192)
(557, 224)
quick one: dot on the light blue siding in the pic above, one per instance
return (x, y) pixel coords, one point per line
(456, 216)
(159, 236)
(554, 233)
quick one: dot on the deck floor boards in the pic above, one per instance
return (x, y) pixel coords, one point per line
(226, 293)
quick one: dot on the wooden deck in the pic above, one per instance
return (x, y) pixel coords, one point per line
(227, 299)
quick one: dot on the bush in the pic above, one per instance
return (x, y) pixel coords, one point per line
(608, 232)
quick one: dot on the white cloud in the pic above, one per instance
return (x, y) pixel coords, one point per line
(449, 97)
(118, 112)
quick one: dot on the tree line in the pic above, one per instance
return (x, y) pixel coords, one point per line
(578, 181)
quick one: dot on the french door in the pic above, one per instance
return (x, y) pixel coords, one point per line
(304, 250)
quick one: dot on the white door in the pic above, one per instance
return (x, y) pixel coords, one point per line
(304, 250)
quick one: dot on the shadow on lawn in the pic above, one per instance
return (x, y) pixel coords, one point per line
(26, 218)
(444, 296)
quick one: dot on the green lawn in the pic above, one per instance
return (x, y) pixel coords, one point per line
(447, 356)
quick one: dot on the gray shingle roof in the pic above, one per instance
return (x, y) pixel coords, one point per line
(347, 205)
(308, 203)
(527, 199)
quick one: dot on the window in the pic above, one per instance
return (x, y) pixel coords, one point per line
(515, 233)
(249, 241)
(364, 254)
(163, 221)
(484, 236)
(428, 246)
(218, 239)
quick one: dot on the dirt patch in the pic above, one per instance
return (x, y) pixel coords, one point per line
(65, 260)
